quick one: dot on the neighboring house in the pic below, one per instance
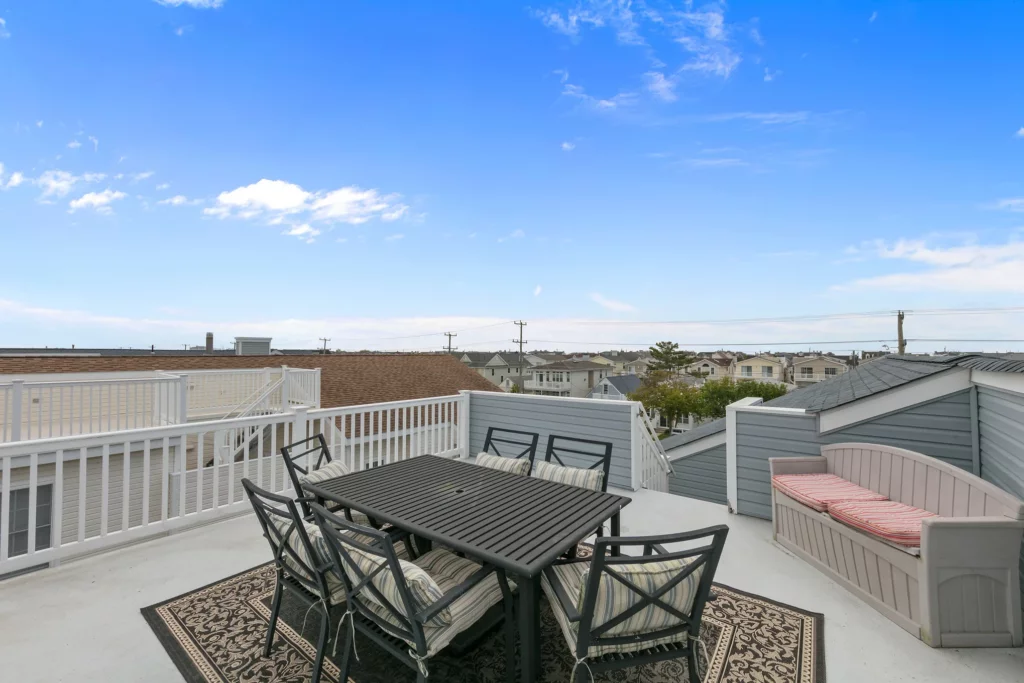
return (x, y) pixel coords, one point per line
(637, 366)
(763, 368)
(711, 368)
(966, 410)
(620, 359)
(808, 369)
(520, 381)
(566, 378)
(615, 388)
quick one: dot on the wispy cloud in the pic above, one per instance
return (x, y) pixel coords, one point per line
(623, 99)
(136, 177)
(39, 124)
(179, 200)
(4, 33)
(74, 144)
(568, 146)
(304, 231)
(720, 162)
(874, 15)
(514, 235)
(1015, 204)
(770, 75)
(537, 290)
(100, 201)
(610, 304)
(57, 183)
(394, 238)
(163, 186)
(198, 4)
(95, 143)
(769, 118)
(1019, 133)
(660, 86)
(964, 267)
(275, 200)
(182, 30)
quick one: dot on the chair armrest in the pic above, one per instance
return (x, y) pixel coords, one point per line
(563, 598)
(455, 593)
(971, 541)
(814, 464)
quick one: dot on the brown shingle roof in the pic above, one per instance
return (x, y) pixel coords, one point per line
(345, 380)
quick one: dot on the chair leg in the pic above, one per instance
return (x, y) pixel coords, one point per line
(691, 663)
(321, 645)
(346, 655)
(274, 611)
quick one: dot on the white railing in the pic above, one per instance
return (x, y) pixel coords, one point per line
(814, 376)
(215, 393)
(547, 386)
(189, 474)
(651, 460)
(376, 434)
(41, 410)
(303, 386)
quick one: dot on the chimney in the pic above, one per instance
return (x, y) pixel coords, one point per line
(209, 342)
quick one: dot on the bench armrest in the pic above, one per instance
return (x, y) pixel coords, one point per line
(814, 464)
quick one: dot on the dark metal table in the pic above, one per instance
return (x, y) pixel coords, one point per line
(521, 524)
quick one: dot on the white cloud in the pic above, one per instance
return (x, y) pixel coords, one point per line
(163, 186)
(198, 4)
(394, 214)
(74, 144)
(265, 196)
(57, 183)
(1019, 133)
(179, 200)
(721, 162)
(514, 235)
(874, 15)
(623, 99)
(95, 143)
(4, 33)
(568, 146)
(705, 35)
(1015, 204)
(136, 177)
(394, 238)
(39, 124)
(776, 118)
(17, 178)
(967, 267)
(354, 205)
(537, 290)
(616, 15)
(770, 75)
(610, 304)
(304, 232)
(661, 87)
(182, 30)
(100, 201)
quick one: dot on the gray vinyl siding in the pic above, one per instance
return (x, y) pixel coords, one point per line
(1001, 427)
(585, 419)
(760, 436)
(700, 476)
(940, 428)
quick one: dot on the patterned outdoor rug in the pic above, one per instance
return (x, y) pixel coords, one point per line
(215, 635)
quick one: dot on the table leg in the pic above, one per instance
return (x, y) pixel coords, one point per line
(529, 628)
(616, 531)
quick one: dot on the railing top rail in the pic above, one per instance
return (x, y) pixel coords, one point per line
(225, 371)
(362, 407)
(80, 382)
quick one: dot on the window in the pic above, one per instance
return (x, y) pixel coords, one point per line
(604, 388)
(747, 371)
(830, 371)
(766, 370)
(807, 372)
(17, 532)
(492, 372)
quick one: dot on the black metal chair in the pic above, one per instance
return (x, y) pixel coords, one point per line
(567, 451)
(322, 469)
(411, 610)
(517, 448)
(620, 611)
(301, 570)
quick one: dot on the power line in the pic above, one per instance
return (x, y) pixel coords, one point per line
(425, 334)
(725, 345)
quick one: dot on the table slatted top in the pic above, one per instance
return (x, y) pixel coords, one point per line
(521, 524)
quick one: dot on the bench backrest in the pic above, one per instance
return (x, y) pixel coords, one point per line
(920, 480)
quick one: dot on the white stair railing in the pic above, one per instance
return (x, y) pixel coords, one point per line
(653, 461)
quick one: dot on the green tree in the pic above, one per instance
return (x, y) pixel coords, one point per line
(715, 395)
(671, 400)
(666, 357)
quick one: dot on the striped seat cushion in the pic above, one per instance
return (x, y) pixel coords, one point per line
(574, 476)
(614, 598)
(331, 470)
(887, 519)
(510, 465)
(819, 491)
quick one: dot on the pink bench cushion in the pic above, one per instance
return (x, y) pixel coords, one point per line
(819, 491)
(886, 519)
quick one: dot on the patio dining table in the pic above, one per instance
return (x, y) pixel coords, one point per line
(520, 524)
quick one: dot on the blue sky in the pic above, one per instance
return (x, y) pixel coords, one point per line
(368, 170)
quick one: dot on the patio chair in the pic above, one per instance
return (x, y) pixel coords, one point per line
(303, 571)
(519, 450)
(568, 448)
(620, 612)
(412, 610)
(322, 469)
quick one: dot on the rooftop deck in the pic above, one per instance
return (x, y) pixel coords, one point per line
(88, 610)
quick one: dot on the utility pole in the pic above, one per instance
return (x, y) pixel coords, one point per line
(901, 342)
(324, 340)
(450, 348)
(520, 341)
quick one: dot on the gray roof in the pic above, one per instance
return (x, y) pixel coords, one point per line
(626, 384)
(887, 372)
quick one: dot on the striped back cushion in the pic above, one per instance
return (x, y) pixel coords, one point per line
(331, 470)
(285, 525)
(614, 598)
(497, 462)
(574, 476)
(422, 587)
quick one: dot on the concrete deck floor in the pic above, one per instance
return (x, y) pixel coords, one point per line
(81, 621)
